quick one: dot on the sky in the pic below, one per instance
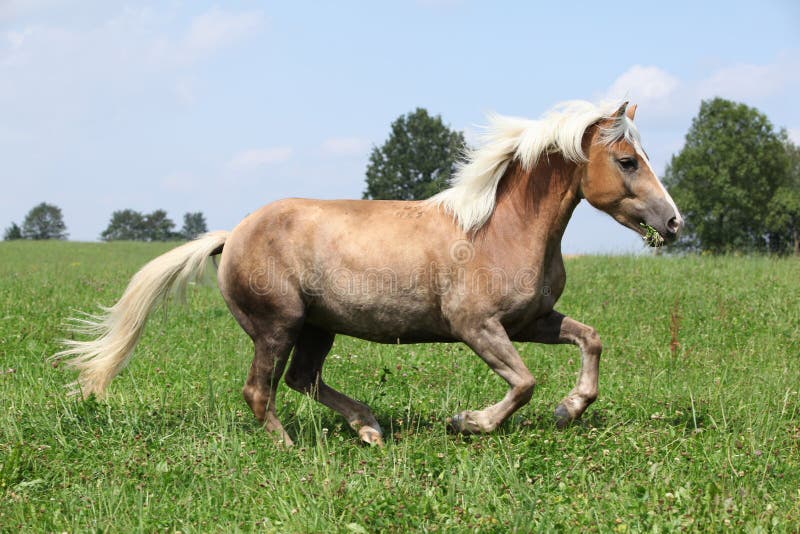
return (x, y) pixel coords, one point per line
(223, 107)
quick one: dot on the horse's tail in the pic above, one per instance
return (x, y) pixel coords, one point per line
(116, 330)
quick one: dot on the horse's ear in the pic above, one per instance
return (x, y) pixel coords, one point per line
(631, 111)
(621, 111)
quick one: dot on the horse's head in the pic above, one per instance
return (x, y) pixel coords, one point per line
(620, 181)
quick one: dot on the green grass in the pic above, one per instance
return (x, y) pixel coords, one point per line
(697, 424)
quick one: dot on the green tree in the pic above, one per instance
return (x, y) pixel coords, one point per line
(417, 159)
(125, 225)
(783, 217)
(130, 225)
(12, 232)
(159, 227)
(44, 221)
(194, 224)
(731, 166)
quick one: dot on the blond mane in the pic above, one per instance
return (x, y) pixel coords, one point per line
(473, 189)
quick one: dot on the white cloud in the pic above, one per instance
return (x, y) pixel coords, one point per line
(14, 9)
(134, 38)
(207, 33)
(745, 81)
(666, 94)
(254, 158)
(217, 28)
(17, 38)
(643, 84)
(794, 135)
(344, 146)
(37, 47)
(64, 68)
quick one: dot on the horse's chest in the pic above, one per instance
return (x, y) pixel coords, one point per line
(526, 312)
(528, 306)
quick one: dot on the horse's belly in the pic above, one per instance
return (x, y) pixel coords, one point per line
(389, 320)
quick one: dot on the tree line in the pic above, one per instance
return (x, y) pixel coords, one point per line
(45, 221)
(130, 225)
(736, 181)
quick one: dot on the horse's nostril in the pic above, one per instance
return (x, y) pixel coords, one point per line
(673, 225)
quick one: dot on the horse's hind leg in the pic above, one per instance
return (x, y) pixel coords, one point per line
(271, 353)
(305, 375)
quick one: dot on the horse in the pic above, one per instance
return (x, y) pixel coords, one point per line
(478, 263)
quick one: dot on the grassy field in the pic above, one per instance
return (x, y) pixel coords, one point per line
(697, 426)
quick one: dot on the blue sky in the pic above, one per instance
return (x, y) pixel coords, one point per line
(221, 108)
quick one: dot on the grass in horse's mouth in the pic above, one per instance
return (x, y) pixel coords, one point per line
(651, 236)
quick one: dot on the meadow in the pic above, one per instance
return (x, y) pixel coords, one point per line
(697, 426)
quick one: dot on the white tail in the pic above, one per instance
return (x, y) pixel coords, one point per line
(117, 329)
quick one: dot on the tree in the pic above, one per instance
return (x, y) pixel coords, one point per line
(125, 225)
(417, 159)
(44, 221)
(783, 217)
(194, 224)
(12, 232)
(159, 227)
(725, 177)
(134, 226)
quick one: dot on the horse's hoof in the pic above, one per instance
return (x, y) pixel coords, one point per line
(563, 418)
(466, 423)
(370, 436)
(455, 424)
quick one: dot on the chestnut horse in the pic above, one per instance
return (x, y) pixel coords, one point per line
(478, 263)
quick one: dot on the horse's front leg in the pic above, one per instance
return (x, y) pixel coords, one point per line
(490, 341)
(557, 328)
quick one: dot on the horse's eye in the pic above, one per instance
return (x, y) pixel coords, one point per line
(628, 164)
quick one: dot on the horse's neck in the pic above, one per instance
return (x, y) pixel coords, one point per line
(535, 206)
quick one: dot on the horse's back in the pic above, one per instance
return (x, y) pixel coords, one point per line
(366, 233)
